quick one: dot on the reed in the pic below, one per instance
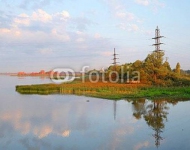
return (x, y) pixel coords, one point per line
(107, 90)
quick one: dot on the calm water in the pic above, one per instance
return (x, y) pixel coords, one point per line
(66, 122)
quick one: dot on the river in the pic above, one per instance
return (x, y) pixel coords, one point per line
(68, 122)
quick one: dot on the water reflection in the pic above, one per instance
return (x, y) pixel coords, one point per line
(77, 122)
(154, 113)
(65, 118)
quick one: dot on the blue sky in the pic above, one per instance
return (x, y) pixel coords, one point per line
(48, 34)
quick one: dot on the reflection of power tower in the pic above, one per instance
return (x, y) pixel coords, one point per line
(157, 136)
(157, 40)
(159, 114)
(115, 108)
(115, 60)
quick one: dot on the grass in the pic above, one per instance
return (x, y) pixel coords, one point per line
(107, 90)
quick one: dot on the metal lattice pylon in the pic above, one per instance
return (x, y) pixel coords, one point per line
(115, 59)
(157, 40)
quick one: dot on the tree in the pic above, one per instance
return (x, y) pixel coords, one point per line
(178, 69)
(167, 65)
(154, 65)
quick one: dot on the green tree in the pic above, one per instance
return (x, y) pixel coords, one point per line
(154, 66)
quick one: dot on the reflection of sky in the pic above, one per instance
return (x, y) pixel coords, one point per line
(70, 122)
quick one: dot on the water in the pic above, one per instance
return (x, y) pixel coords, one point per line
(67, 122)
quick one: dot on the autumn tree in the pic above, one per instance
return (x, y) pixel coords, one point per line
(167, 65)
(178, 69)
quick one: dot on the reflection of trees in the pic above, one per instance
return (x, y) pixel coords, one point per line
(139, 108)
(155, 117)
(154, 113)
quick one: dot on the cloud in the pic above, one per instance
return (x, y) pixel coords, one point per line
(97, 35)
(125, 15)
(114, 4)
(119, 10)
(64, 15)
(134, 27)
(4, 30)
(106, 53)
(128, 27)
(158, 3)
(41, 15)
(22, 19)
(143, 2)
(81, 23)
(128, 20)
(155, 4)
(35, 4)
(46, 51)
(142, 145)
(79, 40)
(66, 133)
(55, 35)
(38, 25)
(5, 19)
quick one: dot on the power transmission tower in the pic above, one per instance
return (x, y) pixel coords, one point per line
(115, 65)
(157, 40)
(115, 60)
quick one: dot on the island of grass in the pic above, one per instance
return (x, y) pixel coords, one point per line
(113, 91)
(157, 80)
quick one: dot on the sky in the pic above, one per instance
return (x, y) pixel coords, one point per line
(50, 34)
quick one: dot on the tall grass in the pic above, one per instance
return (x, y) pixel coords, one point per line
(107, 90)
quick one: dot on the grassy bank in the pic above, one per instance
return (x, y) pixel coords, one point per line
(107, 90)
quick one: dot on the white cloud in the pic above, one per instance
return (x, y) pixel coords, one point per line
(39, 24)
(42, 33)
(155, 4)
(66, 133)
(142, 145)
(22, 19)
(130, 16)
(143, 2)
(61, 36)
(119, 10)
(134, 27)
(121, 14)
(128, 20)
(4, 30)
(64, 15)
(128, 27)
(125, 15)
(7, 33)
(79, 40)
(97, 36)
(158, 3)
(46, 51)
(122, 26)
(41, 15)
(107, 53)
